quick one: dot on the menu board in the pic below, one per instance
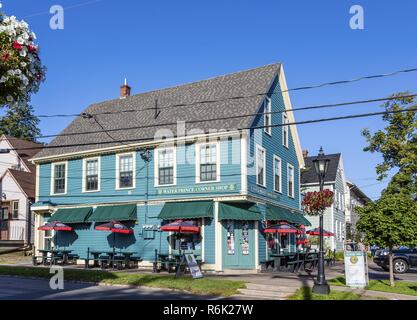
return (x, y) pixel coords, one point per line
(193, 266)
(356, 269)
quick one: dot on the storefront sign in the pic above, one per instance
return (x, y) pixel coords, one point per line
(198, 189)
(264, 192)
(193, 266)
(356, 269)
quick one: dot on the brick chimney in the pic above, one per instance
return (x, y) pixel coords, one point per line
(305, 153)
(124, 90)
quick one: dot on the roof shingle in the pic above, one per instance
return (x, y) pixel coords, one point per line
(250, 82)
(309, 174)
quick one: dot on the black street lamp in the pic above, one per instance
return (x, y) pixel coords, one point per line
(321, 164)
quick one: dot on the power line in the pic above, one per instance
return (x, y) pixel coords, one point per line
(65, 8)
(243, 97)
(354, 116)
(106, 131)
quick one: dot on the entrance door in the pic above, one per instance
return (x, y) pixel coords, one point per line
(4, 223)
(238, 244)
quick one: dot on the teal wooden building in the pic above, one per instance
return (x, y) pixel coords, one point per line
(193, 151)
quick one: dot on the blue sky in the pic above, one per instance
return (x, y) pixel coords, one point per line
(156, 44)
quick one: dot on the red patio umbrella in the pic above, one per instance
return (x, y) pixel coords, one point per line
(115, 227)
(281, 228)
(316, 232)
(182, 226)
(55, 225)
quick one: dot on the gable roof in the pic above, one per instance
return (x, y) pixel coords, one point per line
(309, 174)
(26, 181)
(358, 192)
(244, 83)
(30, 149)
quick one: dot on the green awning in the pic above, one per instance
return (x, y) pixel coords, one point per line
(239, 211)
(186, 210)
(279, 213)
(118, 213)
(73, 215)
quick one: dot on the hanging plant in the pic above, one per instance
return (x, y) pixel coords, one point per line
(21, 70)
(315, 202)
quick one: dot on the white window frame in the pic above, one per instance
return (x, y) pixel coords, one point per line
(288, 181)
(85, 174)
(133, 154)
(198, 146)
(280, 173)
(53, 177)
(156, 166)
(13, 209)
(285, 142)
(259, 148)
(268, 116)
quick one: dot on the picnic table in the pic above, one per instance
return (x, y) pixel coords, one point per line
(111, 257)
(54, 255)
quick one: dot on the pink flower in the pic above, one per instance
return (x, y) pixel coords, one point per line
(17, 46)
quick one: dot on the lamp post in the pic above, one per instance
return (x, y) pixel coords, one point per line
(146, 156)
(321, 164)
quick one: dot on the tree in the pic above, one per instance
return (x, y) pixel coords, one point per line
(20, 122)
(392, 220)
(389, 222)
(397, 143)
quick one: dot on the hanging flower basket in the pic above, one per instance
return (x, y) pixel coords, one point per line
(315, 202)
(21, 70)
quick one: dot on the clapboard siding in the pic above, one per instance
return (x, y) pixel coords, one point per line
(209, 241)
(273, 146)
(230, 175)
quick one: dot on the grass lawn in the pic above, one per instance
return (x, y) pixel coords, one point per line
(198, 286)
(402, 287)
(306, 294)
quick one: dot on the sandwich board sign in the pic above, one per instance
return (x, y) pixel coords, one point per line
(356, 269)
(188, 260)
(193, 266)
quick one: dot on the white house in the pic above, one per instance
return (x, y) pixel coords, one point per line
(17, 186)
(335, 181)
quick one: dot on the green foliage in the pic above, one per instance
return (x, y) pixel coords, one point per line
(306, 294)
(397, 143)
(20, 122)
(390, 221)
(402, 287)
(217, 287)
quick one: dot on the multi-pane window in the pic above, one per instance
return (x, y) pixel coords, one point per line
(260, 166)
(285, 130)
(126, 171)
(91, 175)
(290, 177)
(208, 162)
(166, 166)
(15, 209)
(268, 116)
(59, 180)
(277, 174)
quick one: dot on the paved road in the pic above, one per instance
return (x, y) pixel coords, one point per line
(14, 288)
(378, 273)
